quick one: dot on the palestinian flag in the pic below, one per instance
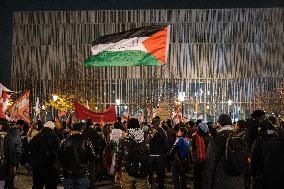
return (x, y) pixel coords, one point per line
(146, 46)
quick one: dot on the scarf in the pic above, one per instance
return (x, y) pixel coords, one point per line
(201, 150)
(136, 134)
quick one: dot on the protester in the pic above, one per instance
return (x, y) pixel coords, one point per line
(77, 153)
(14, 149)
(216, 170)
(171, 133)
(133, 158)
(267, 158)
(106, 129)
(90, 134)
(99, 146)
(4, 169)
(159, 146)
(253, 124)
(181, 164)
(200, 141)
(114, 137)
(25, 147)
(45, 157)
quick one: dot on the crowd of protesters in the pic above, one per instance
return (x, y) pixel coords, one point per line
(247, 154)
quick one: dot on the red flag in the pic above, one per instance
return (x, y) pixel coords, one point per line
(83, 113)
(58, 124)
(2, 115)
(20, 109)
(61, 113)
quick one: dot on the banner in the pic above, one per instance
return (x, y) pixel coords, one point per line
(21, 108)
(83, 113)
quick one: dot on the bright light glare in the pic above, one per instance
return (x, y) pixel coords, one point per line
(181, 96)
(55, 97)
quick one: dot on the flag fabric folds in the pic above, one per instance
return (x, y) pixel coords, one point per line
(145, 46)
(5, 94)
(83, 113)
(58, 123)
(20, 109)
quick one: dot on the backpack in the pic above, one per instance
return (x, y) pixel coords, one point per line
(235, 156)
(182, 165)
(137, 160)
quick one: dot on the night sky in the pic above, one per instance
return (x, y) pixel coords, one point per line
(7, 7)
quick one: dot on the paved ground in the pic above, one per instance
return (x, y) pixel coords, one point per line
(23, 180)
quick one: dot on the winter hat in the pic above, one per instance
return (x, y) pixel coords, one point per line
(49, 124)
(203, 126)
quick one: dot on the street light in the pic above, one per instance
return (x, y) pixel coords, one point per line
(230, 102)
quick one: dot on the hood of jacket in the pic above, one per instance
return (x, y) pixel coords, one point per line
(136, 134)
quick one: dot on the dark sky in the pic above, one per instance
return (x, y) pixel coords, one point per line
(8, 6)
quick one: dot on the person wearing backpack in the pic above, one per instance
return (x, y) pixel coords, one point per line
(181, 163)
(200, 141)
(45, 157)
(14, 149)
(225, 158)
(267, 165)
(132, 158)
(4, 126)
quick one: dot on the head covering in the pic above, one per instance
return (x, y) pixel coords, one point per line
(257, 113)
(224, 119)
(136, 134)
(203, 126)
(49, 124)
(133, 123)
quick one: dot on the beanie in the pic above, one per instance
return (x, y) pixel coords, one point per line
(203, 126)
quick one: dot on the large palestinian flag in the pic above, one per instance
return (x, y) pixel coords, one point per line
(145, 46)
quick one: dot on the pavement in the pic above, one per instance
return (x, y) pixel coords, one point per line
(23, 180)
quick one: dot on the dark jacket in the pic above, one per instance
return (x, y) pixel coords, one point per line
(76, 153)
(159, 143)
(3, 153)
(268, 161)
(45, 150)
(252, 131)
(216, 178)
(14, 146)
(136, 135)
(97, 139)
